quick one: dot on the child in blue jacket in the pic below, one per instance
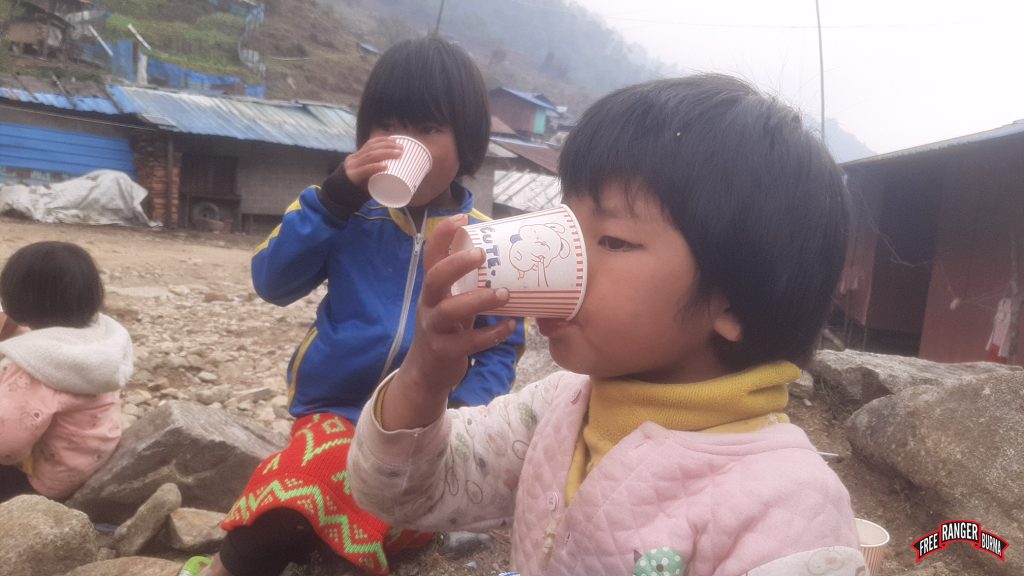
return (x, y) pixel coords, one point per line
(371, 258)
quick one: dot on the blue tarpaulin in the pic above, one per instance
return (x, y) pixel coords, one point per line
(122, 64)
(238, 7)
(173, 76)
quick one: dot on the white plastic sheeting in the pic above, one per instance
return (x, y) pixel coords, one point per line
(100, 197)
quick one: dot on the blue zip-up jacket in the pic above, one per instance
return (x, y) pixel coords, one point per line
(372, 261)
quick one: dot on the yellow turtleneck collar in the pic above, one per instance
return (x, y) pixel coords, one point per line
(740, 402)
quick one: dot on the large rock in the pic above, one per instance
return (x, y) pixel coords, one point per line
(131, 536)
(202, 450)
(851, 379)
(193, 530)
(961, 444)
(130, 566)
(43, 538)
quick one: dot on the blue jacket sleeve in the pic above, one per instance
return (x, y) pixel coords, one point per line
(493, 370)
(291, 262)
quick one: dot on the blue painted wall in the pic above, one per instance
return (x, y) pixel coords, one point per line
(29, 150)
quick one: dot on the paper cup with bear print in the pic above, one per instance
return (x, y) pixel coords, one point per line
(539, 257)
(874, 540)
(395, 186)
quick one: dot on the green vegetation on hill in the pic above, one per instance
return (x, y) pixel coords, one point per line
(208, 43)
(160, 10)
(310, 47)
(189, 33)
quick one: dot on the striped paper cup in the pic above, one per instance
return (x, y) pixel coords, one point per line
(874, 540)
(395, 186)
(539, 257)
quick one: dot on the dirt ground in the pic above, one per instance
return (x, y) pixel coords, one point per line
(185, 294)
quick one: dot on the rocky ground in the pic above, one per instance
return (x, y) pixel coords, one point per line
(201, 333)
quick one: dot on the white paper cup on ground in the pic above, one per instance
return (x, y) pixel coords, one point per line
(395, 186)
(874, 540)
(539, 257)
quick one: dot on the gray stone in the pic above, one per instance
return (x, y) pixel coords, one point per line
(206, 453)
(43, 538)
(213, 395)
(130, 566)
(194, 531)
(131, 536)
(803, 387)
(961, 444)
(255, 395)
(851, 379)
(137, 395)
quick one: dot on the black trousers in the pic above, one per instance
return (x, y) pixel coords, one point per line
(13, 482)
(265, 547)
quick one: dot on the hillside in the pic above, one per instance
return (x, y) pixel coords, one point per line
(311, 47)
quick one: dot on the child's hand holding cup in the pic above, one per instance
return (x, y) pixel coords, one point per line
(539, 257)
(395, 186)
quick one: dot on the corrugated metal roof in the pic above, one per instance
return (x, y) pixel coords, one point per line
(527, 191)
(1003, 131)
(313, 125)
(316, 126)
(495, 151)
(80, 103)
(539, 154)
(531, 98)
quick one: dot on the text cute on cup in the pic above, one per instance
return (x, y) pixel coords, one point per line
(540, 257)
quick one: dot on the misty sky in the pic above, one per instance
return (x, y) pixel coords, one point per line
(898, 73)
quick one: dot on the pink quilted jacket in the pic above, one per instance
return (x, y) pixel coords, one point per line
(660, 502)
(60, 401)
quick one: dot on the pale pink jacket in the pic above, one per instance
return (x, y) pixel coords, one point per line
(60, 402)
(761, 503)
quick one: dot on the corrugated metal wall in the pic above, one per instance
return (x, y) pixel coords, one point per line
(30, 149)
(982, 215)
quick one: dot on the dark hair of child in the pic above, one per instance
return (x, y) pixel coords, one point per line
(757, 197)
(429, 81)
(48, 284)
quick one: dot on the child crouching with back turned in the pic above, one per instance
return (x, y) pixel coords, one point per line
(715, 228)
(62, 367)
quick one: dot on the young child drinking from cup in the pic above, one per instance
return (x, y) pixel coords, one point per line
(62, 367)
(715, 231)
(429, 90)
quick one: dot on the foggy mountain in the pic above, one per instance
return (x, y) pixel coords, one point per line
(843, 145)
(555, 47)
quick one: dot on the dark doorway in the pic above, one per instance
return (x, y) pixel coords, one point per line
(208, 190)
